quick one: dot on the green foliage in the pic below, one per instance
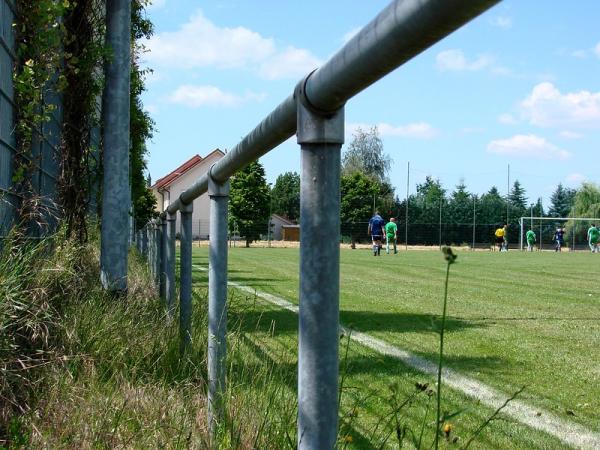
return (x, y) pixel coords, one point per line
(142, 126)
(365, 154)
(491, 208)
(561, 201)
(586, 204)
(460, 205)
(517, 201)
(357, 193)
(37, 76)
(80, 153)
(144, 207)
(249, 202)
(37, 281)
(285, 196)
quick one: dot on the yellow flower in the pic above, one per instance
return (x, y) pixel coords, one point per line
(347, 439)
(447, 429)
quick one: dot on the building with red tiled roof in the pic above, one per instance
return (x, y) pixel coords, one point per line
(168, 188)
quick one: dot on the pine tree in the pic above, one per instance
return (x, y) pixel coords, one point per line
(460, 207)
(561, 201)
(517, 201)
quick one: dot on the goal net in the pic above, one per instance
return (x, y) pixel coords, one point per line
(545, 228)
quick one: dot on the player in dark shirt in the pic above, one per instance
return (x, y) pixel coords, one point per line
(376, 231)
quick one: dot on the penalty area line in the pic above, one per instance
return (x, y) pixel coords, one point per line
(570, 433)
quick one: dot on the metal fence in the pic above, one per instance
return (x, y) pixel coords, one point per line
(45, 149)
(8, 200)
(315, 112)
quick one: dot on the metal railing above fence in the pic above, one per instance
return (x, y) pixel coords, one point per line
(315, 112)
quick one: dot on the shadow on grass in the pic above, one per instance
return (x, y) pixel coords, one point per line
(287, 322)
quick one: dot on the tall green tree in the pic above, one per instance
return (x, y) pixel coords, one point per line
(517, 202)
(249, 202)
(285, 196)
(491, 208)
(586, 204)
(365, 154)
(428, 199)
(561, 201)
(460, 205)
(357, 192)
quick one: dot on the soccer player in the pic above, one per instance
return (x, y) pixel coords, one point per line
(500, 234)
(376, 230)
(593, 237)
(391, 234)
(530, 237)
(559, 239)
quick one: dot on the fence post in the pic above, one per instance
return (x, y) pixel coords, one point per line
(474, 220)
(320, 136)
(170, 264)
(116, 193)
(145, 242)
(151, 248)
(163, 259)
(185, 278)
(217, 300)
(521, 234)
(157, 254)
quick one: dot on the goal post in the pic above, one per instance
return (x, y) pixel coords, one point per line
(575, 229)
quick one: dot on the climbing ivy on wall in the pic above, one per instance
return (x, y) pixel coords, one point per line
(61, 49)
(39, 35)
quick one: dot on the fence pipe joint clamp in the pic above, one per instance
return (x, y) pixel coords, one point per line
(186, 208)
(314, 125)
(216, 188)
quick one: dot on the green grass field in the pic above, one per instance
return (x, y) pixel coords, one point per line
(515, 319)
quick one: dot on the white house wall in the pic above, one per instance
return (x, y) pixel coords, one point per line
(201, 214)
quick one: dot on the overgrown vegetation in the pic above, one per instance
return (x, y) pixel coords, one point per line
(60, 56)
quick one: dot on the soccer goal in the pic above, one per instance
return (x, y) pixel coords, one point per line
(575, 231)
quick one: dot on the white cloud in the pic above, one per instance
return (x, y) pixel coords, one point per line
(507, 119)
(580, 54)
(350, 34)
(502, 22)
(156, 4)
(416, 130)
(566, 134)
(152, 108)
(291, 63)
(597, 49)
(527, 146)
(196, 96)
(546, 106)
(575, 178)
(200, 43)
(455, 60)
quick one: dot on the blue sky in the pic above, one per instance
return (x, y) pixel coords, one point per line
(519, 85)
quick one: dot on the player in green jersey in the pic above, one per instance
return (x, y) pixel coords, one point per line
(530, 236)
(593, 238)
(391, 233)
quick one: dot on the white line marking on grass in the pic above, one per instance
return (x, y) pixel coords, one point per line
(568, 432)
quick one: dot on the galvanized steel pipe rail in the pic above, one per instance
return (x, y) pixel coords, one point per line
(315, 111)
(400, 32)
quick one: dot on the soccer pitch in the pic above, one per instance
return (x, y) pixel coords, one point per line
(514, 319)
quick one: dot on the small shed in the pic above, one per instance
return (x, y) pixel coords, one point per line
(277, 224)
(291, 233)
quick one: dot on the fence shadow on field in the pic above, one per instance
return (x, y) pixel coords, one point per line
(402, 322)
(364, 321)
